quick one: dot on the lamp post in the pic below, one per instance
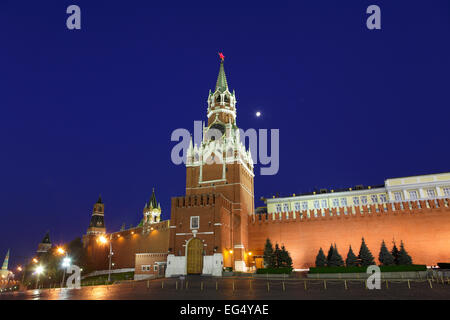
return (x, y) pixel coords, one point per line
(103, 240)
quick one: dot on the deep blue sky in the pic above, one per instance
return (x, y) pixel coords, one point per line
(91, 111)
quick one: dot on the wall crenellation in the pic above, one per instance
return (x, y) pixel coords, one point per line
(201, 200)
(404, 207)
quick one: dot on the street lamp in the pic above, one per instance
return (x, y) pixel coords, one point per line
(103, 240)
(60, 250)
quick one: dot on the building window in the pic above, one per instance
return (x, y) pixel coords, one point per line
(145, 267)
(195, 222)
(364, 200)
(431, 193)
(305, 205)
(343, 202)
(155, 267)
(383, 198)
(297, 206)
(278, 207)
(316, 204)
(374, 198)
(356, 201)
(413, 195)
(447, 191)
(398, 196)
(286, 207)
(324, 203)
(335, 202)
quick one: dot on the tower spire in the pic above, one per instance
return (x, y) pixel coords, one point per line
(221, 83)
(5, 262)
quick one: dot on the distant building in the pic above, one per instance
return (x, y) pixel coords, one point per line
(45, 244)
(97, 224)
(4, 272)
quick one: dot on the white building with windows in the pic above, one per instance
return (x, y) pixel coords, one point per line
(425, 187)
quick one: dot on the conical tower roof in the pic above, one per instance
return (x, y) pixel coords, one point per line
(221, 83)
(99, 199)
(153, 203)
(46, 238)
(5, 262)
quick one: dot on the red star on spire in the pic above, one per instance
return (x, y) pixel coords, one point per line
(221, 56)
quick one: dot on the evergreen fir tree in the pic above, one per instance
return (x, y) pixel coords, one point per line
(352, 260)
(403, 257)
(268, 255)
(330, 254)
(385, 257)
(365, 256)
(321, 260)
(395, 253)
(335, 259)
(286, 261)
(277, 256)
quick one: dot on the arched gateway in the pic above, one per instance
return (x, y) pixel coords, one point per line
(194, 256)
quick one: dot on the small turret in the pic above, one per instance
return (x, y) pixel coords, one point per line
(97, 223)
(45, 244)
(152, 210)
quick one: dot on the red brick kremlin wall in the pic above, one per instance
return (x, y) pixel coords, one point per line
(424, 227)
(125, 245)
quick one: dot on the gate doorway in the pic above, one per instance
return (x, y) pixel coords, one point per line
(195, 256)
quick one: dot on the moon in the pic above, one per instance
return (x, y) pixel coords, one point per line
(258, 114)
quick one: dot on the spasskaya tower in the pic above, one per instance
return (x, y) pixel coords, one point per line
(209, 225)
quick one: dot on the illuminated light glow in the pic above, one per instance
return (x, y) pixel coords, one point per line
(66, 262)
(35, 260)
(102, 239)
(249, 253)
(231, 251)
(39, 269)
(258, 114)
(60, 250)
(221, 56)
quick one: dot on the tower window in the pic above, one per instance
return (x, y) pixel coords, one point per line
(278, 207)
(343, 202)
(356, 201)
(195, 222)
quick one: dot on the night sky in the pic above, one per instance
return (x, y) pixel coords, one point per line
(91, 111)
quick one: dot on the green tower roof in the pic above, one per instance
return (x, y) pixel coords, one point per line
(221, 83)
(153, 203)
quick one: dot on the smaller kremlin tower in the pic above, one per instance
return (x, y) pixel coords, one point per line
(4, 272)
(97, 224)
(45, 244)
(152, 210)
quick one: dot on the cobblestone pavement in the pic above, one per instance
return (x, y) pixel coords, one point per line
(206, 288)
